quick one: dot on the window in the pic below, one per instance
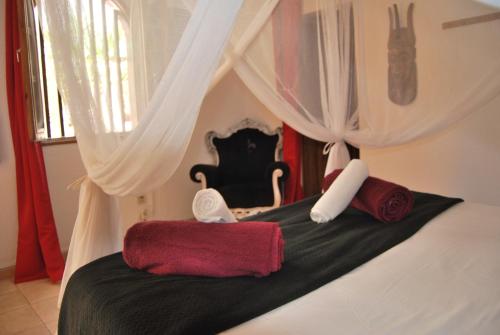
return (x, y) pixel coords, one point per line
(105, 50)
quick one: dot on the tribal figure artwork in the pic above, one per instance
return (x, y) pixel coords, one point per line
(402, 56)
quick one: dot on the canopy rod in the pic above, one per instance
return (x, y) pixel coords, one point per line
(471, 20)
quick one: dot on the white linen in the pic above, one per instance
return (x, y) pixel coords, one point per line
(209, 206)
(341, 192)
(443, 280)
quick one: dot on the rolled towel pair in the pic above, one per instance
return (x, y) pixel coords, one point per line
(335, 200)
(385, 201)
(195, 248)
(209, 206)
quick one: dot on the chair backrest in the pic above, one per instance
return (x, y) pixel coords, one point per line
(244, 156)
(245, 152)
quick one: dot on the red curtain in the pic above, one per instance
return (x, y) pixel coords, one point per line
(292, 155)
(286, 23)
(38, 251)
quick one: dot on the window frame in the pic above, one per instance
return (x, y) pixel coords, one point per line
(45, 110)
(28, 58)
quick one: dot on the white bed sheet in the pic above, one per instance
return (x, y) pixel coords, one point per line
(443, 280)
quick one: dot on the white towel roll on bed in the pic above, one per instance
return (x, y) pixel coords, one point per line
(209, 206)
(340, 194)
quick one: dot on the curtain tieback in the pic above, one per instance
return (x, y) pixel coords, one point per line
(328, 146)
(75, 185)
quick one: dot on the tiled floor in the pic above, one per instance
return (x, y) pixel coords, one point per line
(28, 308)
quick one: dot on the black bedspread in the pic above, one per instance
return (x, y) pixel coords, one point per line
(107, 297)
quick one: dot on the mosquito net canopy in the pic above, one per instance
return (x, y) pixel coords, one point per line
(133, 75)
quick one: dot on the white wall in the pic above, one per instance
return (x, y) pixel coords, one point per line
(463, 160)
(63, 166)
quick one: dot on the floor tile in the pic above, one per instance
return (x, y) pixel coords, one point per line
(21, 319)
(12, 300)
(41, 330)
(52, 327)
(6, 286)
(38, 290)
(47, 309)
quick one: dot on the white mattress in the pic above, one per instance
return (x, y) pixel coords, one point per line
(443, 280)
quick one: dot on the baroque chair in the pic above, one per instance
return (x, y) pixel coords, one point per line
(248, 173)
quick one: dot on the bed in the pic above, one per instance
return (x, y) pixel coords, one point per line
(436, 272)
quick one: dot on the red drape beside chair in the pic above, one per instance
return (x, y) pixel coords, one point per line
(286, 23)
(292, 155)
(38, 250)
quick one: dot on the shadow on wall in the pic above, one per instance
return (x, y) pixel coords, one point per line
(63, 165)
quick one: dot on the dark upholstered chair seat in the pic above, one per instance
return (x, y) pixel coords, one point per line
(247, 174)
(248, 195)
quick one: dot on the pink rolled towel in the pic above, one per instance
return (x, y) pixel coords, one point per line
(200, 249)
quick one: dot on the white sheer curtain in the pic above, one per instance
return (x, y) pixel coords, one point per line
(174, 49)
(177, 50)
(344, 42)
(316, 102)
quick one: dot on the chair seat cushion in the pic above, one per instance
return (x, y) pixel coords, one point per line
(247, 195)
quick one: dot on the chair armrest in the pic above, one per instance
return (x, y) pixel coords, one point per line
(278, 166)
(207, 175)
(277, 172)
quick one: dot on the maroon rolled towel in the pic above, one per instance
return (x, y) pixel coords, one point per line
(386, 201)
(201, 249)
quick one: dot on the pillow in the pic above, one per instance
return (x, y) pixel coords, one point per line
(340, 193)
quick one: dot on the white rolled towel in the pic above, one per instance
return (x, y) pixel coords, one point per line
(340, 194)
(209, 206)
